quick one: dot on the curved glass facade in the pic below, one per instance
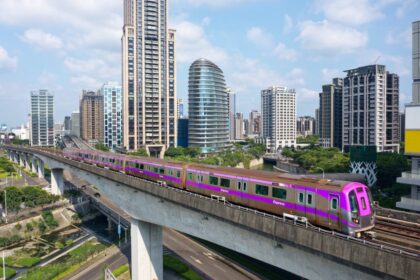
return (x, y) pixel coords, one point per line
(208, 109)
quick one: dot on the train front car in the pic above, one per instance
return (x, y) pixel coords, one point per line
(358, 213)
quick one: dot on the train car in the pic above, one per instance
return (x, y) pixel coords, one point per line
(337, 205)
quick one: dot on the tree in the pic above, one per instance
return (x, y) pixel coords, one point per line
(174, 152)
(139, 153)
(14, 198)
(101, 147)
(390, 166)
(8, 168)
(192, 151)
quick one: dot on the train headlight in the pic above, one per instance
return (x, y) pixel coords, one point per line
(355, 220)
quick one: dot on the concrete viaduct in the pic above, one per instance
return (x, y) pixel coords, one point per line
(306, 251)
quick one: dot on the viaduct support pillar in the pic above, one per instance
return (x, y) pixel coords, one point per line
(146, 251)
(27, 163)
(57, 181)
(40, 165)
(22, 159)
(34, 166)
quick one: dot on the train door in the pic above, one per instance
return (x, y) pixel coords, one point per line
(334, 211)
(301, 203)
(310, 206)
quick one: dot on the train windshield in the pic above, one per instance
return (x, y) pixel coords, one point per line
(353, 202)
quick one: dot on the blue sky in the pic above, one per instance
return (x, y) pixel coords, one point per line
(70, 45)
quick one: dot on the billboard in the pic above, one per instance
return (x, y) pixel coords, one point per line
(363, 153)
(412, 130)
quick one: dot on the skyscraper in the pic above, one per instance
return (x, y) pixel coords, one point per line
(149, 89)
(67, 123)
(370, 108)
(330, 114)
(232, 112)
(42, 118)
(92, 117)
(180, 108)
(255, 122)
(278, 110)
(208, 108)
(75, 124)
(239, 126)
(112, 94)
(305, 126)
(412, 131)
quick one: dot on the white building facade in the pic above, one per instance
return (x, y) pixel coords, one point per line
(278, 110)
(42, 118)
(112, 93)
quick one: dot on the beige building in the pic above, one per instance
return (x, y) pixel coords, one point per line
(149, 77)
(92, 117)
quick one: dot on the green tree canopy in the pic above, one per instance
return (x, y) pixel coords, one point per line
(390, 166)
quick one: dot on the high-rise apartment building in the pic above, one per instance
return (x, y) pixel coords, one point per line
(232, 112)
(278, 110)
(330, 125)
(255, 123)
(92, 117)
(412, 131)
(208, 108)
(149, 75)
(67, 123)
(402, 127)
(239, 126)
(317, 121)
(180, 108)
(42, 118)
(305, 126)
(75, 124)
(112, 95)
(370, 108)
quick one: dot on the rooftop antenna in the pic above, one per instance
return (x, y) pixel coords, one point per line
(377, 59)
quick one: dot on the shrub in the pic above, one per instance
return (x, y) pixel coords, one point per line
(69, 242)
(58, 245)
(29, 227)
(18, 226)
(42, 227)
(49, 219)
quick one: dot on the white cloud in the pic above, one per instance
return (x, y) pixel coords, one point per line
(401, 38)
(328, 74)
(7, 62)
(306, 94)
(42, 40)
(192, 43)
(259, 37)
(288, 24)
(212, 3)
(354, 12)
(284, 53)
(329, 38)
(405, 7)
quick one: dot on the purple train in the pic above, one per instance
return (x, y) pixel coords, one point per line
(337, 205)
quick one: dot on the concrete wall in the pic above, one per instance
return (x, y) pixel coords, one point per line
(310, 254)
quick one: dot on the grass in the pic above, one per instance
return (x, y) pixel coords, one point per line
(66, 264)
(120, 270)
(174, 264)
(9, 272)
(22, 262)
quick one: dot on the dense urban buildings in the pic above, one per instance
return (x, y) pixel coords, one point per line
(330, 119)
(412, 131)
(67, 123)
(42, 118)
(75, 124)
(232, 112)
(149, 89)
(305, 126)
(255, 123)
(370, 108)
(112, 96)
(239, 126)
(180, 108)
(92, 117)
(402, 127)
(208, 108)
(278, 110)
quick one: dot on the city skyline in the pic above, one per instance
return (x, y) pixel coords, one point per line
(64, 55)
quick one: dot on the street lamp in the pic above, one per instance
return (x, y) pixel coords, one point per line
(323, 172)
(5, 204)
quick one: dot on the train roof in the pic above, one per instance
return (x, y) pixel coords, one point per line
(303, 180)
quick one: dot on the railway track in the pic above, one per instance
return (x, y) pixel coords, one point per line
(401, 234)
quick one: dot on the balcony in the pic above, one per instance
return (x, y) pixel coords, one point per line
(409, 178)
(409, 204)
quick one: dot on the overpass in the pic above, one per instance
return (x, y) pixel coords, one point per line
(302, 249)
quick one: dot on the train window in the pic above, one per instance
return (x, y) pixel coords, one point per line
(359, 189)
(224, 183)
(353, 202)
(178, 174)
(171, 172)
(161, 170)
(213, 181)
(244, 188)
(239, 186)
(363, 203)
(301, 198)
(200, 178)
(190, 176)
(141, 166)
(137, 165)
(334, 204)
(260, 189)
(309, 199)
(279, 193)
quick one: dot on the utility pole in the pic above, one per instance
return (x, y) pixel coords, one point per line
(5, 205)
(4, 268)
